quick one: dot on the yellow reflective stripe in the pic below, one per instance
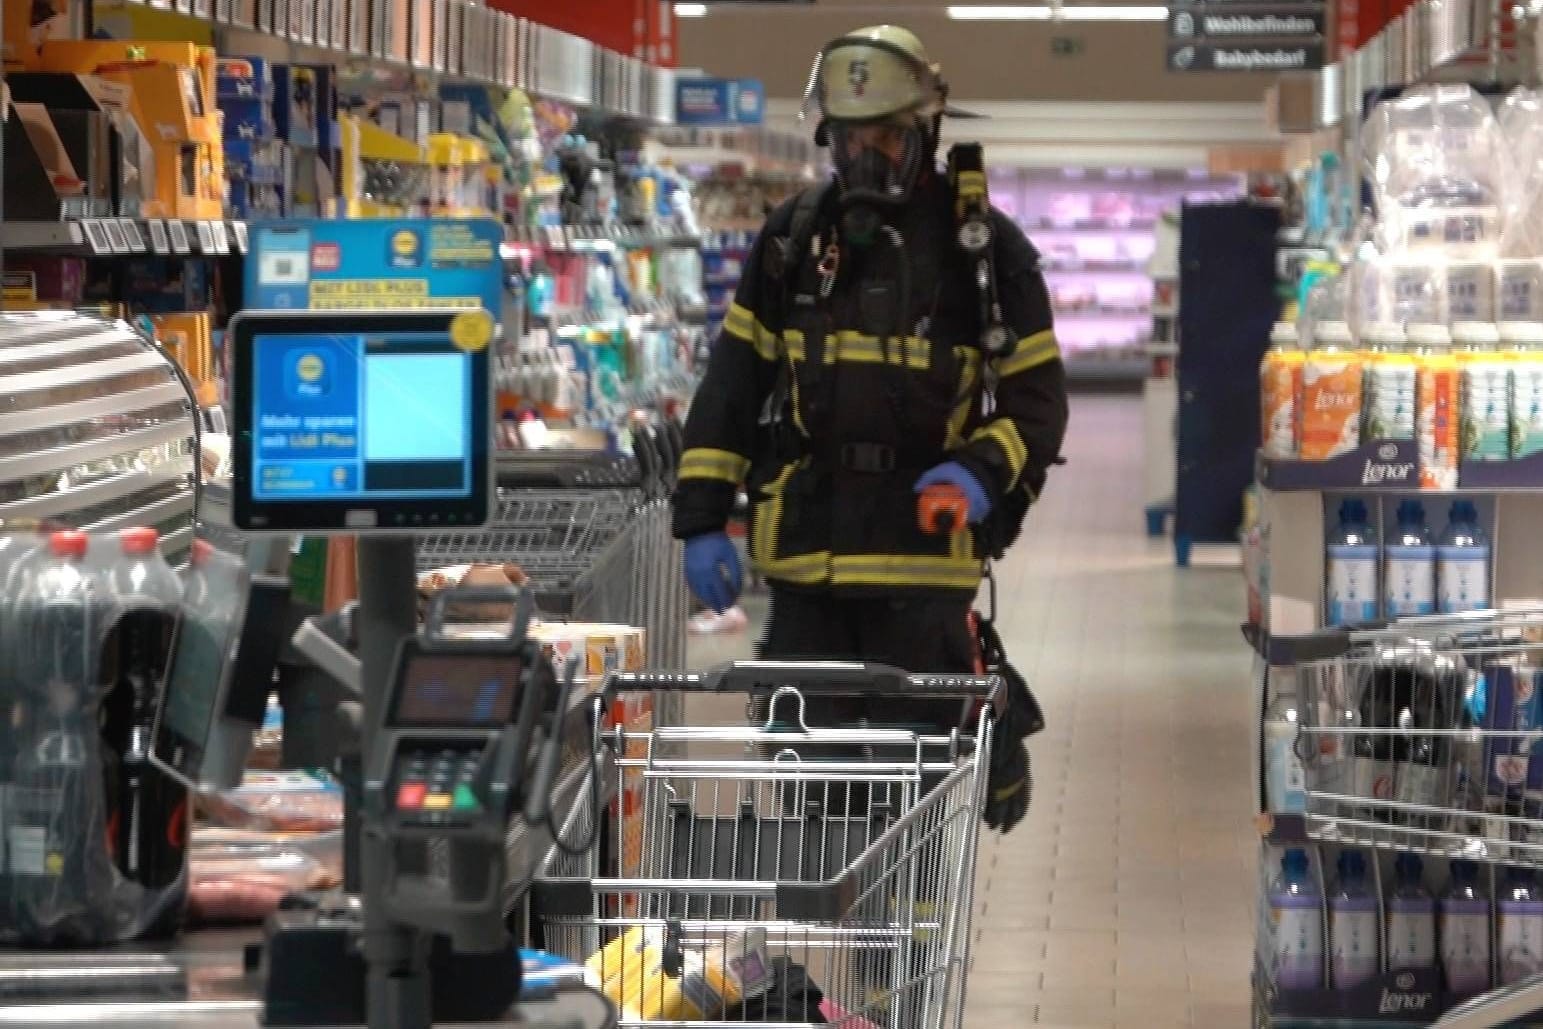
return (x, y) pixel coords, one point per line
(858, 348)
(969, 368)
(905, 570)
(740, 323)
(793, 342)
(1031, 352)
(804, 569)
(1004, 434)
(719, 465)
(961, 545)
(970, 182)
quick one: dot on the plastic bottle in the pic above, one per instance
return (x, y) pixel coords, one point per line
(147, 810)
(1423, 706)
(1411, 917)
(1353, 925)
(1519, 918)
(1388, 404)
(1331, 394)
(61, 876)
(1484, 392)
(1437, 406)
(1465, 939)
(1285, 778)
(18, 542)
(1522, 349)
(1280, 389)
(1296, 914)
(1462, 562)
(1409, 565)
(1352, 567)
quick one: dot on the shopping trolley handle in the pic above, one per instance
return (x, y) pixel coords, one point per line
(839, 678)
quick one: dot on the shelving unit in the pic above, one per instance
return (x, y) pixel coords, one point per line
(1096, 231)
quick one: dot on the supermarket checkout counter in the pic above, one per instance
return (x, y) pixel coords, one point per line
(459, 733)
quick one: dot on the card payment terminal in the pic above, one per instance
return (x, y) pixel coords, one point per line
(450, 762)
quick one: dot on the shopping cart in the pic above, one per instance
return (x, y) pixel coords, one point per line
(1419, 737)
(778, 874)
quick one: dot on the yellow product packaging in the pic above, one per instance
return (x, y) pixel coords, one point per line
(624, 964)
(711, 985)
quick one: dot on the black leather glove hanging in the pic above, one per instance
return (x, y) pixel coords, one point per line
(1010, 782)
(1009, 787)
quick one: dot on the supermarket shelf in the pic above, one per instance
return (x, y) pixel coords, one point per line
(117, 237)
(1095, 268)
(1138, 226)
(1124, 369)
(1102, 313)
(581, 239)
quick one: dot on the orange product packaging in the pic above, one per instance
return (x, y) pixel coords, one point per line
(1331, 395)
(1437, 406)
(1280, 391)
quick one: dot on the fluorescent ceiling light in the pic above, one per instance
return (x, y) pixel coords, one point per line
(1095, 13)
(1000, 12)
(1040, 12)
(690, 10)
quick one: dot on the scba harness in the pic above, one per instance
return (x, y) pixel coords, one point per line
(785, 259)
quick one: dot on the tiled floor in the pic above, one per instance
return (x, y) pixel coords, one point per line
(1126, 897)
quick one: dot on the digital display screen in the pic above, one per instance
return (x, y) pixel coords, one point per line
(363, 417)
(448, 690)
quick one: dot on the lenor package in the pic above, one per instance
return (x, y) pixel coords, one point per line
(1399, 290)
(1470, 291)
(1437, 406)
(1439, 170)
(1519, 290)
(1331, 394)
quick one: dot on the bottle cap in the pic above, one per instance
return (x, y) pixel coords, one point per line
(69, 543)
(202, 550)
(1352, 864)
(1476, 334)
(1333, 334)
(1411, 511)
(1464, 511)
(1409, 866)
(1352, 510)
(1461, 869)
(1427, 334)
(1524, 333)
(139, 540)
(1387, 334)
(1294, 860)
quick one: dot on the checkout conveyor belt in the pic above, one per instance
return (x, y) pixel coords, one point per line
(201, 980)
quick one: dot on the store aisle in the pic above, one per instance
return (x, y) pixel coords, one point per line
(1126, 897)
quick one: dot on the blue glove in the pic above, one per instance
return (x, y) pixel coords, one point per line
(713, 571)
(952, 473)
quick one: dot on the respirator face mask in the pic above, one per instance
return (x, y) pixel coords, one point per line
(878, 163)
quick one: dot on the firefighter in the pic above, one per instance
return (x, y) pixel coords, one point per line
(856, 373)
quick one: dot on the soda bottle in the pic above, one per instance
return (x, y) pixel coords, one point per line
(147, 816)
(62, 880)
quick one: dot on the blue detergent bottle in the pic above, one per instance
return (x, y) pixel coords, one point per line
(1353, 935)
(1409, 565)
(1351, 595)
(1296, 915)
(1462, 562)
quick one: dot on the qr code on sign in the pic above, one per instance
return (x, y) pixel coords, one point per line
(283, 270)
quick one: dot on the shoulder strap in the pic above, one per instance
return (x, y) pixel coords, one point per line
(793, 249)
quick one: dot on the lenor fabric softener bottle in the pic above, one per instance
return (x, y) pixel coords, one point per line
(1465, 946)
(1462, 562)
(1352, 596)
(1411, 917)
(1296, 913)
(1353, 924)
(1409, 565)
